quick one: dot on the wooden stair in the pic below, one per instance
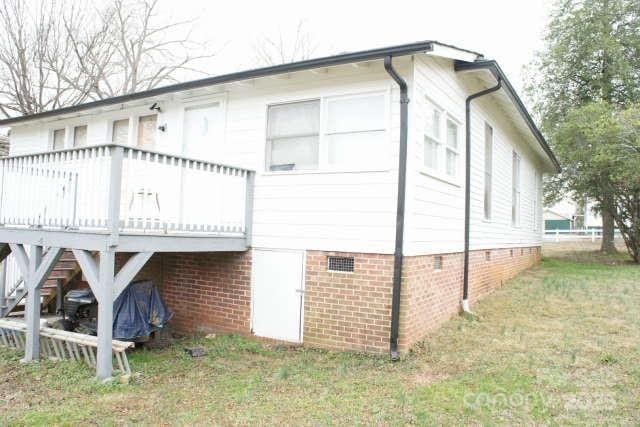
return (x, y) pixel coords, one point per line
(65, 271)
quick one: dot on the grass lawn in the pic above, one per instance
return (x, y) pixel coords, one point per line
(558, 344)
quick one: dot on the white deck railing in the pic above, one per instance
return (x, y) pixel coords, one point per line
(148, 192)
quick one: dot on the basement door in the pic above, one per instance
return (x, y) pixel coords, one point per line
(277, 286)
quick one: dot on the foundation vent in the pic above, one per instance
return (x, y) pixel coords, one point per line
(437, 262)
(340, 263)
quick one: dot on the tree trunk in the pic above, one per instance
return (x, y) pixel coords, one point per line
(608, 244)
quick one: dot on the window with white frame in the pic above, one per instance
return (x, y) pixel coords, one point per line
(293, 135)
(80, 136)
(536, 196)
(432, 139)
(355, 131)
(441, 142)
(59, 138)
(351, 136)
(452, 149)
(488, 170)
(120, 132)
(515, 189)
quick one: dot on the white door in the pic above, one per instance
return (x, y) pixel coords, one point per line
(203, 132)
(277, 280)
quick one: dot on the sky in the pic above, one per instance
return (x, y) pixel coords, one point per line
(507, 31)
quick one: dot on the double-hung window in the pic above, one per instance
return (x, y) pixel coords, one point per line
(59, 137)
(432, 138)
(536, 196)
(452, 149)
(515, 190)
(441, 143)
(80, 136)
(335, 134)
(355, 131)
(293, 135)
(488, 170)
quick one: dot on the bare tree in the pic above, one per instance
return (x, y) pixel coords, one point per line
(35, 59)
(145, 54)
(54, 54)
(283, 48)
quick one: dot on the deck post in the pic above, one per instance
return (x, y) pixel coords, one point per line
(115, 189)
(3, 283)
(104, 359)
(248, 207)
(4, 254)
(32, 307)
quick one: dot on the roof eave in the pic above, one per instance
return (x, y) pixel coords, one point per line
(494, 68)
(328, 61)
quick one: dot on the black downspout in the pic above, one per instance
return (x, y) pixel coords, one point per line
(402, 183)
(467, 189)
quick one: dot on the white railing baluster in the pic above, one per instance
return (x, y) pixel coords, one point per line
(160, 193)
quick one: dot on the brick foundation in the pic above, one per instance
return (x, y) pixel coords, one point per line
(348, 311)
(207, 292)
(211, 292)
(431, 296)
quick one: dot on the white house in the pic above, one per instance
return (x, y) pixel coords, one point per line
(320, 202)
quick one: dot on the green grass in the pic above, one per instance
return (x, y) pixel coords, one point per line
(558, 344)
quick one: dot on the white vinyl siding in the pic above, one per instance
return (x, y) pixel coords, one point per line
(435, 203)
(488, 170)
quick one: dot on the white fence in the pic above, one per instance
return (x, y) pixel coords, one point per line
(154, 192)
(571, 235)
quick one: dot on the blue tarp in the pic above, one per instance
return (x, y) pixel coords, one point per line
(139, 311)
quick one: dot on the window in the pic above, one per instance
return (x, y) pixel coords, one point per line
(515, 189)
(293, 134)
(432, 138)
(355, 131)
(452, 148)
(147, 127)
(441, 143)
(536, 196)
(120, 132)
(351, 136)
(341, 264)
(59, 136)
(487, 255)
(80, 136)
(488, 169)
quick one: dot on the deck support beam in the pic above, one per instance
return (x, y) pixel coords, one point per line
(32, 308)
(104, 358)
(35, 269)
(107, 286)
(129, 271)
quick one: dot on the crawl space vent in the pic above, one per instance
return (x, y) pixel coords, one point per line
(340, 263)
